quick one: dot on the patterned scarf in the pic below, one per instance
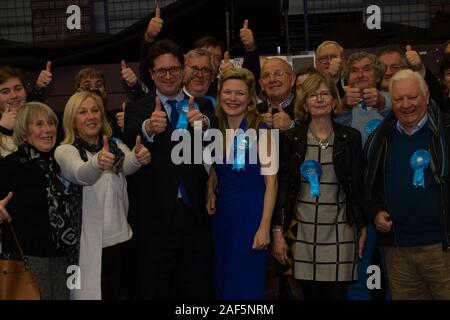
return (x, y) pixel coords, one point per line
(64, 220)
(82, 146)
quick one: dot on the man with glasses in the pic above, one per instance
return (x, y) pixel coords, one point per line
(167, 200)
(330, 61)
(198, 74)
(395, 59)
(277, 81)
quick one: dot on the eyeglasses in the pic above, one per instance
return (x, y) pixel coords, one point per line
(277, 74)
(196, 70)
(394, 67)
(161, 72)
(314, 96)
(325, 59)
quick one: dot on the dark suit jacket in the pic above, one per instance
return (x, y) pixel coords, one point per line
(155, 186)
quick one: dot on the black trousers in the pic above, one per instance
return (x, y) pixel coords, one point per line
(176, 262)
(113, 272)
(322, 290)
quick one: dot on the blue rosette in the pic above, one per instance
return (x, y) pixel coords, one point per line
(372, 125)
(183, 109)
(312, 171)
(420, 160)
(241, 146)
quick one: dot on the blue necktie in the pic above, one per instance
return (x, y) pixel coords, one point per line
(173, 113)
(173, 123)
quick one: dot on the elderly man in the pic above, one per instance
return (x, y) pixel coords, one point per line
(394, 59)
(277, 80)
(408, 192)
(330, 61)
(362, 101)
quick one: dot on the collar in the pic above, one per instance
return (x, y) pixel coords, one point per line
(416, 128)
(179, 96)
(283, 103)
(186, 92)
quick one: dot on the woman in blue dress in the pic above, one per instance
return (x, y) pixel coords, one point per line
(245, 191)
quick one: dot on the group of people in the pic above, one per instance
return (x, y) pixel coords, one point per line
(363, 167)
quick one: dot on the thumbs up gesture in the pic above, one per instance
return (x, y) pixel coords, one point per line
(226, 63)
(268, 117)
(281, 120)
(8, 117)
(413, 59)
(194, 115)
(120, 116)
(157, 122)
(45, 76)
(141, 152)
(128, 74)
(335, 67)
(154, 27)
(105, 157)
(247, 38)
(4, 215)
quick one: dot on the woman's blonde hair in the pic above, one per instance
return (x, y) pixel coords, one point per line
(311, 84)
(26, 115)
(252, 116)
(71, 109)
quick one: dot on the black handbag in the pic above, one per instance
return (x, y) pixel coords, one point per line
(16, 280)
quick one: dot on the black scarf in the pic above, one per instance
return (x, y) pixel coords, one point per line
(82, 146)
(64, 220)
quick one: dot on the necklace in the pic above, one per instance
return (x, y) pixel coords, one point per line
(323, 143)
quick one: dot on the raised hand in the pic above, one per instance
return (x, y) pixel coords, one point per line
(8, 118)
(158, 121)
(141, 152)
(226, 63)
(105, 157)
(335, 67)
(193, 114)
(45, 76)
(268, 117)
(154, 27)
(352, 96)
(128, 74)
(373, 98)
(247, 38)
(413, 58)
(120, 116)
(281, 120)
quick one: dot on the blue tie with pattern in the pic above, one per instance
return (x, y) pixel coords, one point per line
(173, 123)
(173, 113)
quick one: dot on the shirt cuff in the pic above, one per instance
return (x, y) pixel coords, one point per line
(146, 136)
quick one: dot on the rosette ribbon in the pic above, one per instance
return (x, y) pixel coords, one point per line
(372, 125)
(419, 161)
(183, 109)
(312, 171)
(240, 146)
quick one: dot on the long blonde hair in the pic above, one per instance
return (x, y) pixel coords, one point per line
(71, 109)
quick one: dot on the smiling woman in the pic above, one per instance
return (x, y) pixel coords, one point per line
(95, 165)
(38, 198)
